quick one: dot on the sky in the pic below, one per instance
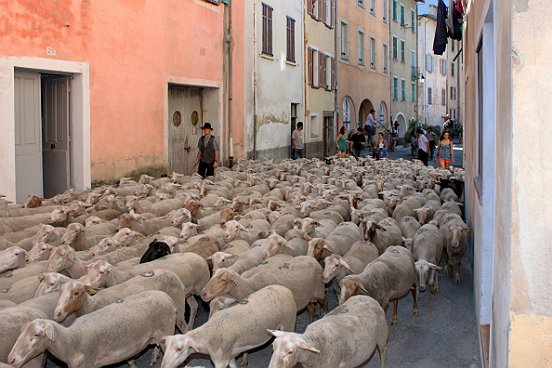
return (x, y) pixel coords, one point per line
(422, 9)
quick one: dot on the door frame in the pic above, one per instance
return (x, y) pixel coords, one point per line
(79, 117)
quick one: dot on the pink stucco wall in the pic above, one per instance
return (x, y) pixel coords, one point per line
(133, 47)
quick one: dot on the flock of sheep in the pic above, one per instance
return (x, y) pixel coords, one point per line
(94, 277)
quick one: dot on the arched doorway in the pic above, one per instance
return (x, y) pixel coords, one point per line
(348, 112)
(364, 110)
(402, 124)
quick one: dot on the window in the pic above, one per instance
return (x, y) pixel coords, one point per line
(452, 45)
(395, 89)
(413, 73)
(443, 97)
(452, 69)
(313, 67)
(373, 6)
(290, 50)
(430, 63)
(395, 47)
(330, 77)
(413, 92)
(361, 60)
(372, 53)
(443, 66)
(402, 15)
(313, 9)
(385, 58)
(267, 30)
(385, 10)
(322, 70)
(429, 101)
(395, 10)
(344, 40)
(328, 13)
(403, 89)
(402, 51)
(413, 20)
(453, 93)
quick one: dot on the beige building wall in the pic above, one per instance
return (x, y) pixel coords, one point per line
(320, 101)
(403, 28)
(363, 79)
(506, 137)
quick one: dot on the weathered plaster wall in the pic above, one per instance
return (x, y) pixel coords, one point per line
(272, 83)
(133, 49)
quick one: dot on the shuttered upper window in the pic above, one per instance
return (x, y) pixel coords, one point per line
(267, 30)
(290, 51)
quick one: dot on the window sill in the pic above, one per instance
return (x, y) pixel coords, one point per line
(267, 56)
(345, 58)
(292, 63)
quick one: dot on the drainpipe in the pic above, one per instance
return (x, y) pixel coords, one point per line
(225, 79)
(391, 79)
(336, 98)
(229, 39)
(255, 80)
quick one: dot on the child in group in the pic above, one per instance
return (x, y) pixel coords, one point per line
(381, 147)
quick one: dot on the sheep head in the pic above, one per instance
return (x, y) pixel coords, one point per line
(34, 339)
(222, 282)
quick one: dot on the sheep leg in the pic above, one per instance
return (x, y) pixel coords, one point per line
(132, 364)
(192, 303)
(457, 270)
(383, 355)
(434, 287)
(245, 361)
(154, 356)
(324, 304)
(414, 300)
(395, 318)
(310, 308)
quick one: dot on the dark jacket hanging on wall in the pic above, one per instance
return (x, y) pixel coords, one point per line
(441, 35)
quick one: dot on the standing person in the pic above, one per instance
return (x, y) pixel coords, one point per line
(431, 138)
(359, 141)
(445, 152)
(208, 152)
(297, 143)
(370, 125)
(448, 123)
(423, 146)
(381, 147)
(341, 143)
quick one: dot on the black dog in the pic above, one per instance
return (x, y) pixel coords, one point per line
(155, 250)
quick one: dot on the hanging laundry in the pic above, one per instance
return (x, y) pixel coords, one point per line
(441, 35)
(456, 20)
(460, 7)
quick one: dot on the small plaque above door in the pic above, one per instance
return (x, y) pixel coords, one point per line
(177, 119)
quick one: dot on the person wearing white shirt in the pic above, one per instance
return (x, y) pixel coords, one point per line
(423, 146)
(370, 124)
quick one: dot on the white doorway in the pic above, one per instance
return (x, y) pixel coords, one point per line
(42, 138)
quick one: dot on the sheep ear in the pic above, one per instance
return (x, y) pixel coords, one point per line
(49, 331)
(467, 229)
(275, 333)
(360, 286)
(41, 277)
(307, 346)
(325, 246)
(345, 264)
(433, 266)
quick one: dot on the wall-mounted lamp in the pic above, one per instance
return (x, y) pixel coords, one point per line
(421, 79)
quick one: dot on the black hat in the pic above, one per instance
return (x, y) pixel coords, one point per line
(207, 126)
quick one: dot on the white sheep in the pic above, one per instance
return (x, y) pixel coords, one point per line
(409, 225)
(235, 330)
(454, 228)
(383, 234)
(302, 275)
(344, 338)
(427, 248)
(388, 278)
(12, 258)
(40, 252)
(353, 262)
(107, 336)
(74, 297)
(339, 241)
(311, 228)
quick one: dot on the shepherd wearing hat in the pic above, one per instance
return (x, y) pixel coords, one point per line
(208, 152)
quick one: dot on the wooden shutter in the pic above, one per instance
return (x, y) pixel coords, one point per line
(270, 31)
(310, 66)
(323, 9)
(332, 14)
(310, 7)
(322, 70)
